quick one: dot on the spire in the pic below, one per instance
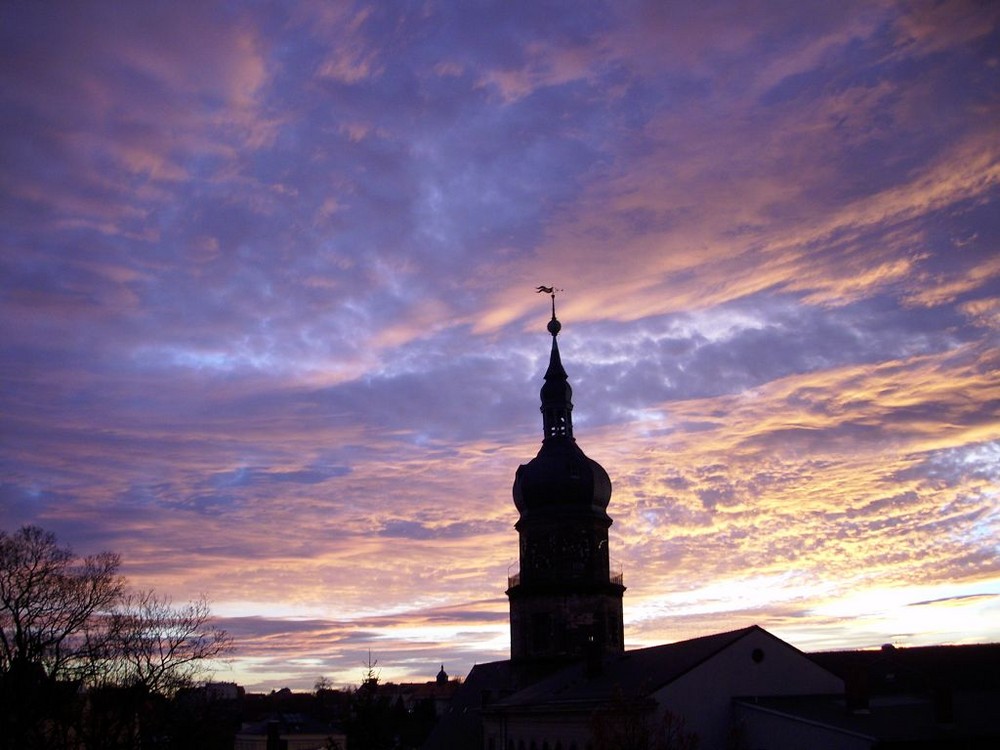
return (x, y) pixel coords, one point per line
(556, 394)
(565, 604)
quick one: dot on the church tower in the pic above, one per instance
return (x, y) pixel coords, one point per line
(565, 604)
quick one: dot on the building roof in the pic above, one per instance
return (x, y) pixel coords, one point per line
(940, 696)
(633, 674)
(896, 720)
(942, 693)
(583, 686)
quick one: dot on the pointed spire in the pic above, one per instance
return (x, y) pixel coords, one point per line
(556, 394)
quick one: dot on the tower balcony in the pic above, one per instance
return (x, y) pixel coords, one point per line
(514, 579)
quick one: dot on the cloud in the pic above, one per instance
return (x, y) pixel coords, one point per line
(269, 274)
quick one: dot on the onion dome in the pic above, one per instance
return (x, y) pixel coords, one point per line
(561, 476)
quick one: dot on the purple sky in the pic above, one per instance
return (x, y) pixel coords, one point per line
(269, 329)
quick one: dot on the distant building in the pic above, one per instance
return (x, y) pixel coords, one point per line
(436, 695)
(428, 700)
(570, 685)
(922, 697)
(223, 691)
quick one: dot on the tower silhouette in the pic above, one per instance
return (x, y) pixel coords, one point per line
(565, 603)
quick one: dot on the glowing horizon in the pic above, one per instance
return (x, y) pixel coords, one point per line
(271, 332)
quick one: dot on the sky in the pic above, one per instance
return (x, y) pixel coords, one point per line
(269, 327)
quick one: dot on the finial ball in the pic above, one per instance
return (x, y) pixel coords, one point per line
(554, 326)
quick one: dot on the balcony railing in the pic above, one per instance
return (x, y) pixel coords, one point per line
(514, 579)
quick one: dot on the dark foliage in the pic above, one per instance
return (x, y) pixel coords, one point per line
(83, 663)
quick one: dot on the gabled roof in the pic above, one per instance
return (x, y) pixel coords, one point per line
(635, 674)
(580, 687)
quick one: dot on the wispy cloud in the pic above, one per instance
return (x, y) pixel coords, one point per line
(270, 331)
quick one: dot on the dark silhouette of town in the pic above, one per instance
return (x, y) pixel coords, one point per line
(569, 683)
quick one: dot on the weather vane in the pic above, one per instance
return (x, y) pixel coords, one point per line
(551, 291)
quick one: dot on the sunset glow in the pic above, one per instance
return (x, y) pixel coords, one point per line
(269, 324)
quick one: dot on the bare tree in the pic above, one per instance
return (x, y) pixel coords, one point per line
(67, 622)
(48, 597)
(152, 644)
